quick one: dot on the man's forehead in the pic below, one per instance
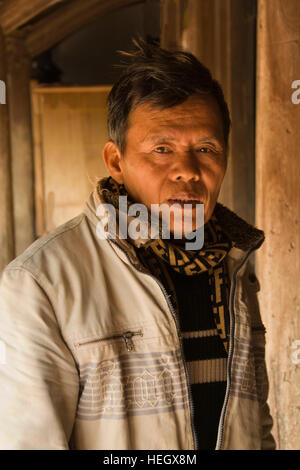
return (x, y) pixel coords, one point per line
(201, 134)
(190, 106)
(192, 112)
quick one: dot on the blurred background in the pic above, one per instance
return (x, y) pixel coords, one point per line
(58, 61)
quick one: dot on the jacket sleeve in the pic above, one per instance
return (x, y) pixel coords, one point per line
(39, 381)
(258, 344)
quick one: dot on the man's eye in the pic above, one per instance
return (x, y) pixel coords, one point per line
(162, 149)
(205, 150)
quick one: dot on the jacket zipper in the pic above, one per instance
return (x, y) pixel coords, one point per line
(173, 314)
(230, 352)
(127, 337)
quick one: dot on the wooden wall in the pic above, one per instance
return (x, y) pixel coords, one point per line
(278, 208)
(18, 91)
(16, 171)
(6, 207)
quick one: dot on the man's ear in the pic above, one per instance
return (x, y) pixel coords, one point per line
(112, 156)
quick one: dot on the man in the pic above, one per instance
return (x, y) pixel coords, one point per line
(136, 342)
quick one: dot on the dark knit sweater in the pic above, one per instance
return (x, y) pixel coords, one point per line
(204, 352)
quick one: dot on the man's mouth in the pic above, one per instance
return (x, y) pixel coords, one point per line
(183, 199)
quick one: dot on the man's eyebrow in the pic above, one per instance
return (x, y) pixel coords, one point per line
(220, 144)
(158, 137)
(168, 138)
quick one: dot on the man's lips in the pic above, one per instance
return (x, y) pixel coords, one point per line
(184, 198)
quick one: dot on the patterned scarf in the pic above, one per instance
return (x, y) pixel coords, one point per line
(154, 253)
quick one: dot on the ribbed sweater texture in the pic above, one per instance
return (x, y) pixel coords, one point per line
(204, 353)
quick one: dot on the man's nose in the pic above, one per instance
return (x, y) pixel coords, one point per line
(185, 168)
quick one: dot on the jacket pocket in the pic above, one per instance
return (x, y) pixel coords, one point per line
(126, 336)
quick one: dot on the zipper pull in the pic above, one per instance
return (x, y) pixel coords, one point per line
(128, 339)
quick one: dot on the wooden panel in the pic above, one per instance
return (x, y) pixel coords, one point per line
(39, 183)
(64, 21)
(69, 134)
(6, 209)
(278, 207)
(15, 13)
(172, 20)
(18, 92)
(242, 104)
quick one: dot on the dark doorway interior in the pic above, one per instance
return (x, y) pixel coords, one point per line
(88, 56)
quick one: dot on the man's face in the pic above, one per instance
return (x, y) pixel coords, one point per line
(173, 155)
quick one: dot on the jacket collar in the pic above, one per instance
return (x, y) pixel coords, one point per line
(243, 235)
